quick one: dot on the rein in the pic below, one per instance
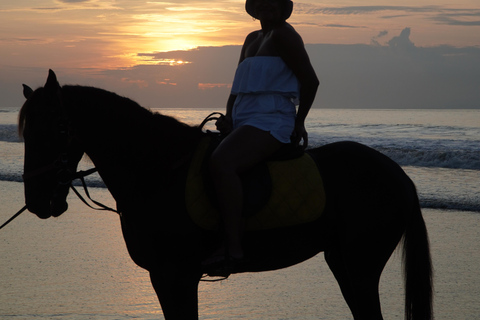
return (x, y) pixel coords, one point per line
(65, 177)
(78, 175)
(14, 216)
(63, 174)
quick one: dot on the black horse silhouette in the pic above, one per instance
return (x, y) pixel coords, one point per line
(143, 158)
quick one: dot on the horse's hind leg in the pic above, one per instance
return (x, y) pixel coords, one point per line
(357, 268)
(359, 289)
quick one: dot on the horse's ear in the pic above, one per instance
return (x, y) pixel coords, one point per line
(52, 86)
(27, 91)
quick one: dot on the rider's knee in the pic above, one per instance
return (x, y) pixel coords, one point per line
(218, 166)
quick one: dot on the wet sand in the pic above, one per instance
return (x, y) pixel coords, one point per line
(77, 267)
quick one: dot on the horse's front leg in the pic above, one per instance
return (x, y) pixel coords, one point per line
(177, 292)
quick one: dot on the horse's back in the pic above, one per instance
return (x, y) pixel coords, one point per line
(348, 157)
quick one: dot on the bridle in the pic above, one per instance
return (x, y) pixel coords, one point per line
(64, 175)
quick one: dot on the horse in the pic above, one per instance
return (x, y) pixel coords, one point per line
(143, 158)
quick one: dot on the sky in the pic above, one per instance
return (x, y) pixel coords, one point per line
(367, 54)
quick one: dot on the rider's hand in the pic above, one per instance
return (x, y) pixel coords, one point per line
(300, 133)
(224, 124)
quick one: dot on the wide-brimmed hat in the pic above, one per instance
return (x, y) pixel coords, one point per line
(288, 8)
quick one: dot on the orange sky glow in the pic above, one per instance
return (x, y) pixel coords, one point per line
(111, 34)
(86, 38)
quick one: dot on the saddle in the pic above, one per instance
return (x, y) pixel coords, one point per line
(281, 192)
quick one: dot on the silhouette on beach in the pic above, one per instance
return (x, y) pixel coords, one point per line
(144, 157)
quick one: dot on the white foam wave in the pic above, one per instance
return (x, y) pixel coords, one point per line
(452, 159)
(9, 133)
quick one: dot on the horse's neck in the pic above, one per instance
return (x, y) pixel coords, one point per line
(131, 147)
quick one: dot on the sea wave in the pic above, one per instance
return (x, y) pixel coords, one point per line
(424, 153)
(425, 156)
(449, 204)
(9, 133)
(451, 159)
(93, 181)
(426, 201)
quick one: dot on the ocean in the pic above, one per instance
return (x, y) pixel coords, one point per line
(77, 267)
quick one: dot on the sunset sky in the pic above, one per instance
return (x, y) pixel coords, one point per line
(103, 43)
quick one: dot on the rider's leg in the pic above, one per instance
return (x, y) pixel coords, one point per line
(245, 147)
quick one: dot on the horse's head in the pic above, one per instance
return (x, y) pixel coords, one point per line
(51, 153)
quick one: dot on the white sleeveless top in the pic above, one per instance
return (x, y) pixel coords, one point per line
(265, 74)
(267, 92)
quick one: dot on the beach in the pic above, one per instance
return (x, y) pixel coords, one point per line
(76, 266)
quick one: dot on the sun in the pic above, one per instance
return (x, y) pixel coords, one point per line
(173, 28)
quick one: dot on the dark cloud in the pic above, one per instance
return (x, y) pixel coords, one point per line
(382, 33)
(48, 8)
(310, 24)
(19, 39)
(458, 18)
(397, 74)
(448, 16)
(341, 26)
(313, 9)
(374, 40)
(402, 41)
(394, 16)
(73, 1)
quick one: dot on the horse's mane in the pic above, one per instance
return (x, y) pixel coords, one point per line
(101, 97)
(139, 129)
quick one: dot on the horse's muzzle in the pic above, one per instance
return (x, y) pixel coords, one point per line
(46, 210)
(46, 204)
(55, 210)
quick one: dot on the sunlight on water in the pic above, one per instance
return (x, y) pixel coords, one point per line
(190, 116)
(436, 117)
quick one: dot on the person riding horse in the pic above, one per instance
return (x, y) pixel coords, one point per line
(274, 73)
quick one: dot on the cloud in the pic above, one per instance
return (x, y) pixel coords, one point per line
(446, 16)
(354, 10)
(402, 41)
(19, 40)
(73, 1)
(459, 18)
(207, 86)
(47, 8)
(397, 74)
(374, 40)
(382, 33)
(140, 83)
(340, 26)
(394, 16)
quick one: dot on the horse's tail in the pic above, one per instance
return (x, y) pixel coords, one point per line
(417, 266)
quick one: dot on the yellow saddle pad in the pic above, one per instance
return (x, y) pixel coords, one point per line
(297, 194)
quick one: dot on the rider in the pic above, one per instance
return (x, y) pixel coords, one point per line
(274, 74)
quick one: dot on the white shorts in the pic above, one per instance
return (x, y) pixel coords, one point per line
(272, 112)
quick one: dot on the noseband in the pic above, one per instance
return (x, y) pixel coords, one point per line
(64, 175)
